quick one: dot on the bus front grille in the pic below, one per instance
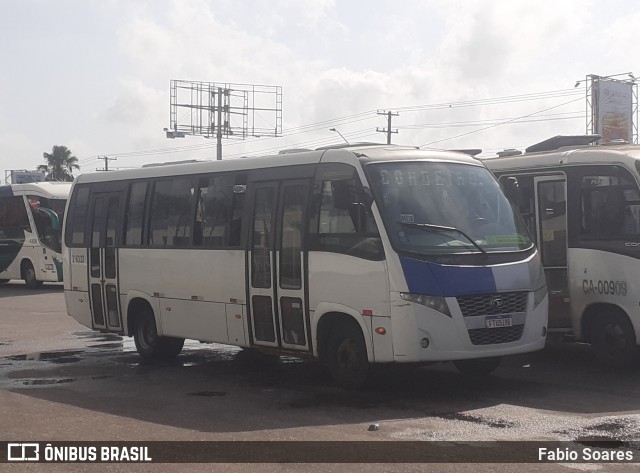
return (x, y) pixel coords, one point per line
(492, 336)
(493, 304)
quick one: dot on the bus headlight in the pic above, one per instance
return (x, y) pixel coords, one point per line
(432, 302)
(539, 295)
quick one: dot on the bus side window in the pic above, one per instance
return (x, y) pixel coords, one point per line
(610, 205)
(134, 217)
(344, 220)
(75, 233)
(13, 218)
(219, 211)
(172, 213)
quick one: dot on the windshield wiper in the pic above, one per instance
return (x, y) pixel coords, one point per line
(443, 229)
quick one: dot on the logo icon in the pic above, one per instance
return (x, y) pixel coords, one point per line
(23, 452)
(496, 303)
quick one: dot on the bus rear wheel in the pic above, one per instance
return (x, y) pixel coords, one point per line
(347, 356)
(614, 341)
(29, 276)
(478, 366)
(152, 346)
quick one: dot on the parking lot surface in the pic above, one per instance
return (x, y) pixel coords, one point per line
(60, 381)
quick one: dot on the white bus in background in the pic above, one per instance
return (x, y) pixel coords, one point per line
(31, 217)
(354, 255)
(581, 203)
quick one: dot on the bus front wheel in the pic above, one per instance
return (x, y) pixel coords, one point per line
(29, 276)
(614, 341)
(477, 366)
(152, 346)
(347, 356)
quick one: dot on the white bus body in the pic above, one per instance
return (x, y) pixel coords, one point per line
(342, 254)
(31, 217)
(582, 206)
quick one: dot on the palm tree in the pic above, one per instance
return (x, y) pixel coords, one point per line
(60, 164)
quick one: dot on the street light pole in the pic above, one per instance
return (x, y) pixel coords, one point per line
(338, 132)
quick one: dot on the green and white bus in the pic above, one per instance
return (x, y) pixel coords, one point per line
(31, 218)
(354, 255)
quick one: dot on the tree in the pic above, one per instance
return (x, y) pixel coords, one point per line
(60, 164)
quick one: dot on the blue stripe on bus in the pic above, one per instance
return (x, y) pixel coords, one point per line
(446, 281)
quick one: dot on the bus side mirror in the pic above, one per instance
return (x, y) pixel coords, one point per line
(510, 185)
(367, 197)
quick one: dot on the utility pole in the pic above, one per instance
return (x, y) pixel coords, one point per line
(387, 130)
(106, 162)
(219, 133)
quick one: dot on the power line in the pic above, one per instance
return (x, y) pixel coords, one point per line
(500, 124)
(493, 101)
(364, 116)
(549, 117)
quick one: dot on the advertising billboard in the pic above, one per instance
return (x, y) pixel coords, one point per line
(25, 177)
(613, 109)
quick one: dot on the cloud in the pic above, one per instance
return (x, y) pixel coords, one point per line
(332, 59)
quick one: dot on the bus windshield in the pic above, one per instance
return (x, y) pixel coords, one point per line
(444, 208)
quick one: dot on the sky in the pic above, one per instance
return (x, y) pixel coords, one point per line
(94, 75)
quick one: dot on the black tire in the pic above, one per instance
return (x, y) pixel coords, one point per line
(347, 356)
(149, 344)
(478, 366)
(29, 276)
(614, 341)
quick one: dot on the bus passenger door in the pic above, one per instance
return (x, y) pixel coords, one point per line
(291, 267)
(277, 267)
(261, 260)
(551, 209)
(103, 262)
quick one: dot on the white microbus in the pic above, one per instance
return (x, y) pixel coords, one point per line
(355, 255)
(31, 217)
(582, 205)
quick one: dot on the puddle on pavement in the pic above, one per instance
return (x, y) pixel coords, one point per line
(611, 426)
(59, 357)
(44, 382)
(610, 433)
(495, 423)
(106, 346)
(110, 349)
(99, 336)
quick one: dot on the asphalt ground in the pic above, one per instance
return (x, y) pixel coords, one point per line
(59, 381)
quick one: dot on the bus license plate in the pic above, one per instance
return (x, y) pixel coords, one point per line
(498, 322)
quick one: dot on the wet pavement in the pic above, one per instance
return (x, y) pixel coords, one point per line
(80, 384)
(409, 402)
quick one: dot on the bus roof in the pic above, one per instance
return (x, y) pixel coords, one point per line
(599, 154)
(367, 152)
(49, 190)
